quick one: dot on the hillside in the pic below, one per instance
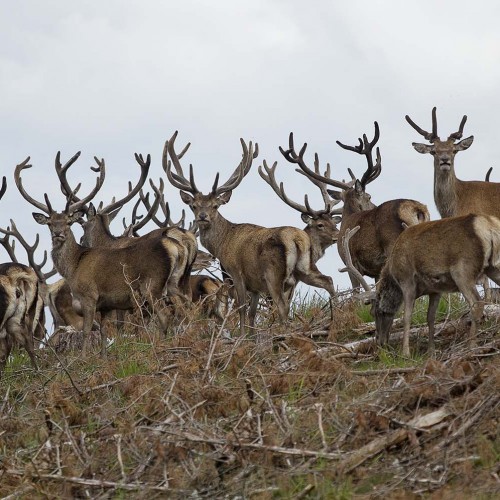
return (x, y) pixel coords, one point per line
(303, 412)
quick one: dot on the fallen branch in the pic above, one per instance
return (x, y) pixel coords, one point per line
(97, 483)
(117, 381)
(377, 445)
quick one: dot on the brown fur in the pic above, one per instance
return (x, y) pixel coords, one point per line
(379, 228)
(21, 310)
(104, 279)
(258, 259)
(454, 197)
(97, 234)
(210, 292)
(432, 258)
(65, 312)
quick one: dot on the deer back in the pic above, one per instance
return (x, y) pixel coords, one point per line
(379, 229)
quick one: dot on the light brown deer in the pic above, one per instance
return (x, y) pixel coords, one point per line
(452, 195)
(379, 225)
(21, 307)
(259, 260)
(321, 225)
(103, 279)
(56, 296)
(447, 255)
(97, 233)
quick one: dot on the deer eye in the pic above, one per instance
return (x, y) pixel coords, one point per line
(321, 225)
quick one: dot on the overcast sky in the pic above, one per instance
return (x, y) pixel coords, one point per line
(112, 78)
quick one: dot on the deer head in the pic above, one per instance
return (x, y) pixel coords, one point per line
(443, 151)
(59, 222)
(352, 193)
(321, 224)
(205, 206)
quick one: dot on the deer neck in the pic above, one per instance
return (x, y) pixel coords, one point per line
(318, 246)
(214, 236)
(66, 256)
(445, 191)
(100, 235)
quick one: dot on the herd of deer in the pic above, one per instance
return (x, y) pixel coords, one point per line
(395, 243)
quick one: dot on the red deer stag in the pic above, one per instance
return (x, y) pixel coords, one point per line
(56, 296)
(321, 224)
(379, 225)
(432, 258)
(451, 195)
(206, 290)
(96, 230)
(21, 307)
(103, 279)
(259, 260)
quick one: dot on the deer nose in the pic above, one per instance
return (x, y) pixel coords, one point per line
(202, 216)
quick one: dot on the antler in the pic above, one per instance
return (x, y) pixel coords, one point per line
(349, 265)
(30, 251)
(365, 148)
(291, 155)
(458, 135)
(144, 164)
(180, 181)
(47, 208)
(4, 187)
(430, 136)
(17, 179)
(160, 201)
(270, 178)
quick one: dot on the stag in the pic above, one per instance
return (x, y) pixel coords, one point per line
(321, 225)
(447, 255)
(97, 233)
(21, 307)
(259, 260)
(379, 226)
(56, 296)
(103, 279)
(453, 196)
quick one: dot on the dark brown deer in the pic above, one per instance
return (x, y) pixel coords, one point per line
(103, 279)
(21, 307)
(447, 255)
(321, 225)
(379, 225)
(259, 260)
(452, 195)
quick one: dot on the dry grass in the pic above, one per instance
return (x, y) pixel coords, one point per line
(301, 414)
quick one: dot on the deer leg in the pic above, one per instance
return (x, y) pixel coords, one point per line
(18, 331)
(241, 296)
(431, 317)
(476, 310)
(319, 280)
(106, 317)
(88, 312)
(409, 301)
(5, 348)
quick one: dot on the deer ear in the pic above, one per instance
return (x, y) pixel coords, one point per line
(40, 218)
(91, 212)
(76, 217)
(358, 187)
(186, 198)
(336, 195)
(337, 219)
(305, 218)
(464, 143)
(224, 197)
(423, 148)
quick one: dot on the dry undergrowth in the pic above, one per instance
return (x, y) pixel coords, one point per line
(304, 413)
